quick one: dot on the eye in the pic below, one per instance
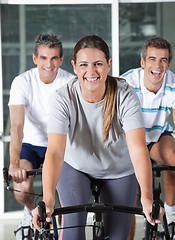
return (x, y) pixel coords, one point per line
(43, 57)
(98, 64)
(55, 58)
(164, 60)
(83, 65)
(152, 59)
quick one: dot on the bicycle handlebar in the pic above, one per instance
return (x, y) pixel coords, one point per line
(155, 210)
(159, 168)
(33, 172)
(97, 208)
(42, 214)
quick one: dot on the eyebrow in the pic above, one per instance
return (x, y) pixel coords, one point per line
(84, 61)
(156, 57)
(43, 56)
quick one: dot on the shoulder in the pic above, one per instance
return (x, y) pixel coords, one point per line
(27, 76)
(170, 77)
(65, 98)
(68, 90)
(25, 80)
(133, 76)
(125, 92)
(65, 74)
(123, 85)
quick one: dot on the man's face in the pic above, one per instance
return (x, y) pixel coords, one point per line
(155, 66)
(48, 61)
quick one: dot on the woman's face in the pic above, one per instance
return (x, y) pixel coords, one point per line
(92, 68)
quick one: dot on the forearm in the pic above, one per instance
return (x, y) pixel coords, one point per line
(51, 172)
(143, 172)
(15, 145)
(17, 116)
(140, 159)
(173, 114)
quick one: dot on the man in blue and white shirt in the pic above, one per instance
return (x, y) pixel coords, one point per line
(155, 87)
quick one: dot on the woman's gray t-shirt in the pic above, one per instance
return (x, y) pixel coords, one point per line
(82, 122)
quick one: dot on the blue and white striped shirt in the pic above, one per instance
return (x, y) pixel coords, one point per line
(155, 107)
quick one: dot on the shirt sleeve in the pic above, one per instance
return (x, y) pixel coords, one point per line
(18, 92)
(59, 115)
(129, 108)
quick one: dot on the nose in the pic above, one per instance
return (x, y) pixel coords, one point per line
(91, 69)
(49, 62)
(158, 63)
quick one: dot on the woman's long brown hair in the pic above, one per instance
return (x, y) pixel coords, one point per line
(109, 106)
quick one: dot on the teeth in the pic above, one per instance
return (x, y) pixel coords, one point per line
(48, 69)
(156, 71)
(91, 79)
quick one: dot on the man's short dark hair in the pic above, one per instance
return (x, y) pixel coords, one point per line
(159, 43)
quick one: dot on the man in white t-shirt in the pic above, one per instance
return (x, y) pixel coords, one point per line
(29, 109)
(155, 87)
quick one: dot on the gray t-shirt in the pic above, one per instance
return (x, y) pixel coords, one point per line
(82, 122)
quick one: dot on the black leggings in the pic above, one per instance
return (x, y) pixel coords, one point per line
(74, 189)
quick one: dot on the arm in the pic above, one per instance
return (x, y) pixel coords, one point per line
(17, 116)
(142, 165)
(51, 172)
(173, 115)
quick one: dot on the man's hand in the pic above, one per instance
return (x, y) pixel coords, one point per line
(18, 174)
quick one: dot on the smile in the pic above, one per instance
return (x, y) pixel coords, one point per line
(156, 73)
(92, 79)
(48, 69)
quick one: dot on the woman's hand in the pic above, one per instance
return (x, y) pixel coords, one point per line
(36, 221)
(36, 217)
(147, 209)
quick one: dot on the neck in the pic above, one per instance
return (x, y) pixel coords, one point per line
(152, 87)
(92, 97)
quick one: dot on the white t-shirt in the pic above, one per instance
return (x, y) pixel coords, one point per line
(82, 122)
(27, 89)
(156, 108)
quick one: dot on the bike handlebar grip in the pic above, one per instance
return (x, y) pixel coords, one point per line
(42, 211)
(6, 175)
(155, 210)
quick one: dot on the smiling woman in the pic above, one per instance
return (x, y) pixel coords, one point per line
(86, 143)
(92, 68)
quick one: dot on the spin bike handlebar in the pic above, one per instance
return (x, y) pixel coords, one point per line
(160, 168)
(8, 178)
(95, 208)
(155, 210)
(91, 207)
(33, 172)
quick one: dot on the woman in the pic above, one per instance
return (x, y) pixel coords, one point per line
(96, 131)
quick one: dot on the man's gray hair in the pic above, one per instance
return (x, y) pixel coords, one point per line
(48, 40)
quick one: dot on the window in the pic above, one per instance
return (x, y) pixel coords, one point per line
(22, 23)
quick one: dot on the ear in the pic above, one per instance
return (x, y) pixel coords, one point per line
(61, 60)
(34, 59)
(74, 66)
(142, 63)
(109, 64)
(168, 65)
